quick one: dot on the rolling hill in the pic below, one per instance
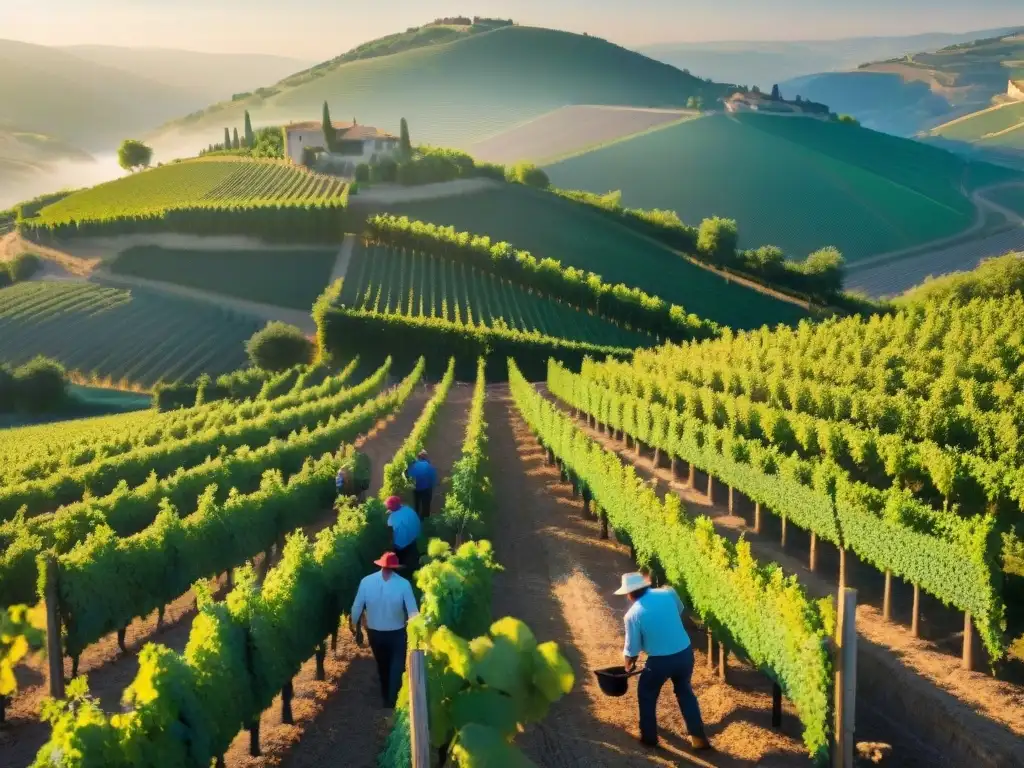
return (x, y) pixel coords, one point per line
(765, 63)
(908, 94)
(800, 184)
(457, 92)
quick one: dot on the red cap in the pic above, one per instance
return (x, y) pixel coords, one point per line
(388, 560)
(393, 503)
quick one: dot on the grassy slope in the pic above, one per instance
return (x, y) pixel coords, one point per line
(1009, 197)
(798, 184)
(137, 336)
(552, 227)
(394, 281)
(977, 126)
(457, 92)
(286, 278)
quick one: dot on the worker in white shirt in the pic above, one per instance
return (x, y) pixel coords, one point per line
(389, 603)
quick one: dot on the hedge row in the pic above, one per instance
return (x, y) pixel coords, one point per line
(956, 560)
(753, 607)
(583, 290)
(343, 333)
(322, 222)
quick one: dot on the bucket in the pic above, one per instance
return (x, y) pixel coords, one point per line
(614, 681)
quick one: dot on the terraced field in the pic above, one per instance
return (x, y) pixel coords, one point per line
(283, 277)
(393, 281)
(570, 130)
(977, 126)
(196, 183)
(133, 335)
(552, 227)
(861, 191)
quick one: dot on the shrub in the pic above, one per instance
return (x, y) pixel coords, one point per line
(384, 170)
(278, 347)
(362, 172)
(40, 385)
(23, 266)
(491, 171)
(823, 271)
(5, 278)
(717, 239)
(528, 174)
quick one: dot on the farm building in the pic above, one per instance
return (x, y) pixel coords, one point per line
(760, 102)
(1015, 90)
(355, 143)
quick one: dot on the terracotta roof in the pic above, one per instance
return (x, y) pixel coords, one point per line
(351, 131)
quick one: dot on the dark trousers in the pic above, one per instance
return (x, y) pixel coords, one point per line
(389, 653)
(659, 669)
(421, 502)
(409, 557)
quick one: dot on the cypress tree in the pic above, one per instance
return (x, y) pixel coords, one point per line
(248, 130)
(776, 96)
(234, 141)
(328, 128)
(406, 142)
(227, 139)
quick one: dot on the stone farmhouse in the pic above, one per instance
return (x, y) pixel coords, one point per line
(761, 102)
(1015, 90)
(354, 143)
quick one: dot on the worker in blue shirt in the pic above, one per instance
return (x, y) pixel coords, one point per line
(424, 478)
(654, 625)
(405, 529)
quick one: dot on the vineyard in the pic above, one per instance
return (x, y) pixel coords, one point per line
(861, 191)
(549, 227)
(196, 184)
(391, 281)
(287, 278)
(135, 336)
(976, 127)
(1009, 197)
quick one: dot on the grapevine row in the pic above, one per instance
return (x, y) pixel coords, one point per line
(129, 511)
(765, 615)
(954, 559)
(107, 581)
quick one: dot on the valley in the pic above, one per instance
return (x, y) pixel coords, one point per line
(638, 319)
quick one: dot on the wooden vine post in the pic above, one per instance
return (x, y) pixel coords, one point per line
(915, 617)
(730, 500)
(692, 477)
(967, 662)
(887, 596)
(419, 727)
(711, 489)
(757, 517)
(845, 679)
(813, 564)
(54, 651)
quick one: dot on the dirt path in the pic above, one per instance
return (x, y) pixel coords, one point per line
(349, 720)
(110, 672)
(912, 690)
(344, 257)
(560, 577)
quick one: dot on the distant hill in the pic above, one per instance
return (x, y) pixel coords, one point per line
(797, 183)
(765, 63)
(457, 91)
(204, 76)
(918, 91)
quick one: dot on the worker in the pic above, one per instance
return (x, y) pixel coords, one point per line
(654, 625)
(389, 603)
(405, 529)
(339, 481)
(424, 478)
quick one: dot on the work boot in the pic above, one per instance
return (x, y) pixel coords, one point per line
(699, 743)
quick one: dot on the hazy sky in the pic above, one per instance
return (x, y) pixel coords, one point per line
(317, 29)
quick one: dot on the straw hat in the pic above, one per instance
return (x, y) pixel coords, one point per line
(388, 560)
(632, 582)
(421, 455)
(393, 503)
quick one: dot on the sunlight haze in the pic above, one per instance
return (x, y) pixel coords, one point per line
(321, 29)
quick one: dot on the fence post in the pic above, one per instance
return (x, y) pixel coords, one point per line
(846, 679)
(54, 652)
(419, 728)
